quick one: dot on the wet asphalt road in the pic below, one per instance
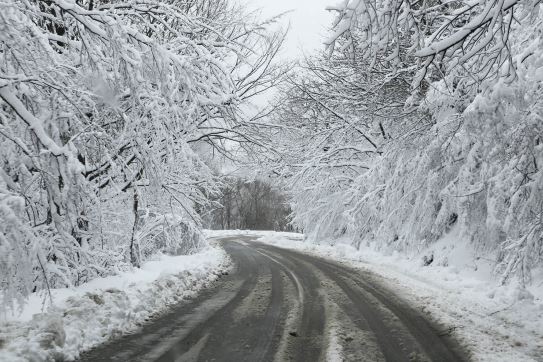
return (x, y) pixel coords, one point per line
(281, 305)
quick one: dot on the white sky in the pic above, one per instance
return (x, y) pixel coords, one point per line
(309, 22)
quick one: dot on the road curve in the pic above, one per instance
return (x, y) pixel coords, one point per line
(281, 305)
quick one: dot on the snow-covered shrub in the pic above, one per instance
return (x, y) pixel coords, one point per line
(16, 245)
(167, 233)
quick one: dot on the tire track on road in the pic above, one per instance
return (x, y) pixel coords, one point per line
(282, 305)
(373, 304)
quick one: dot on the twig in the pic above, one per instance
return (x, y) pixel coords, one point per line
(501, 310)
(448, 331)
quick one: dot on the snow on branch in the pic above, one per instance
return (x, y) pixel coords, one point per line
(35, 124)
(445, 34)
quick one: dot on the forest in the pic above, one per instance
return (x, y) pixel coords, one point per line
(249, 205)
(117, 118)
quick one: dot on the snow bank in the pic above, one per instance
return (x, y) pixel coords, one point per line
(495, 322)
(90, 314)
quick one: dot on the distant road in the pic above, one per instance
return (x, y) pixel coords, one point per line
(282, 305)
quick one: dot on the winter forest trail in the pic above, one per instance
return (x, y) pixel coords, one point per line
(281, 305)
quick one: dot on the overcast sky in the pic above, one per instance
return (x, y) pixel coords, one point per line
(308, 20)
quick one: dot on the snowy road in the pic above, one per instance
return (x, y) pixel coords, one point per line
(283, 305)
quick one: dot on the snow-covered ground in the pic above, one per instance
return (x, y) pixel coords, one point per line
(90, 314)
(495, 322)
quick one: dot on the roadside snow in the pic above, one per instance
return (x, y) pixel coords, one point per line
(90, 314)
(334, 351)
(495, 322)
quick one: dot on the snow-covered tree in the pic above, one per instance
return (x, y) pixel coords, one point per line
(105, 109)
(422, 117)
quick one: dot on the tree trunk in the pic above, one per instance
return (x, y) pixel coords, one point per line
(134, 246)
